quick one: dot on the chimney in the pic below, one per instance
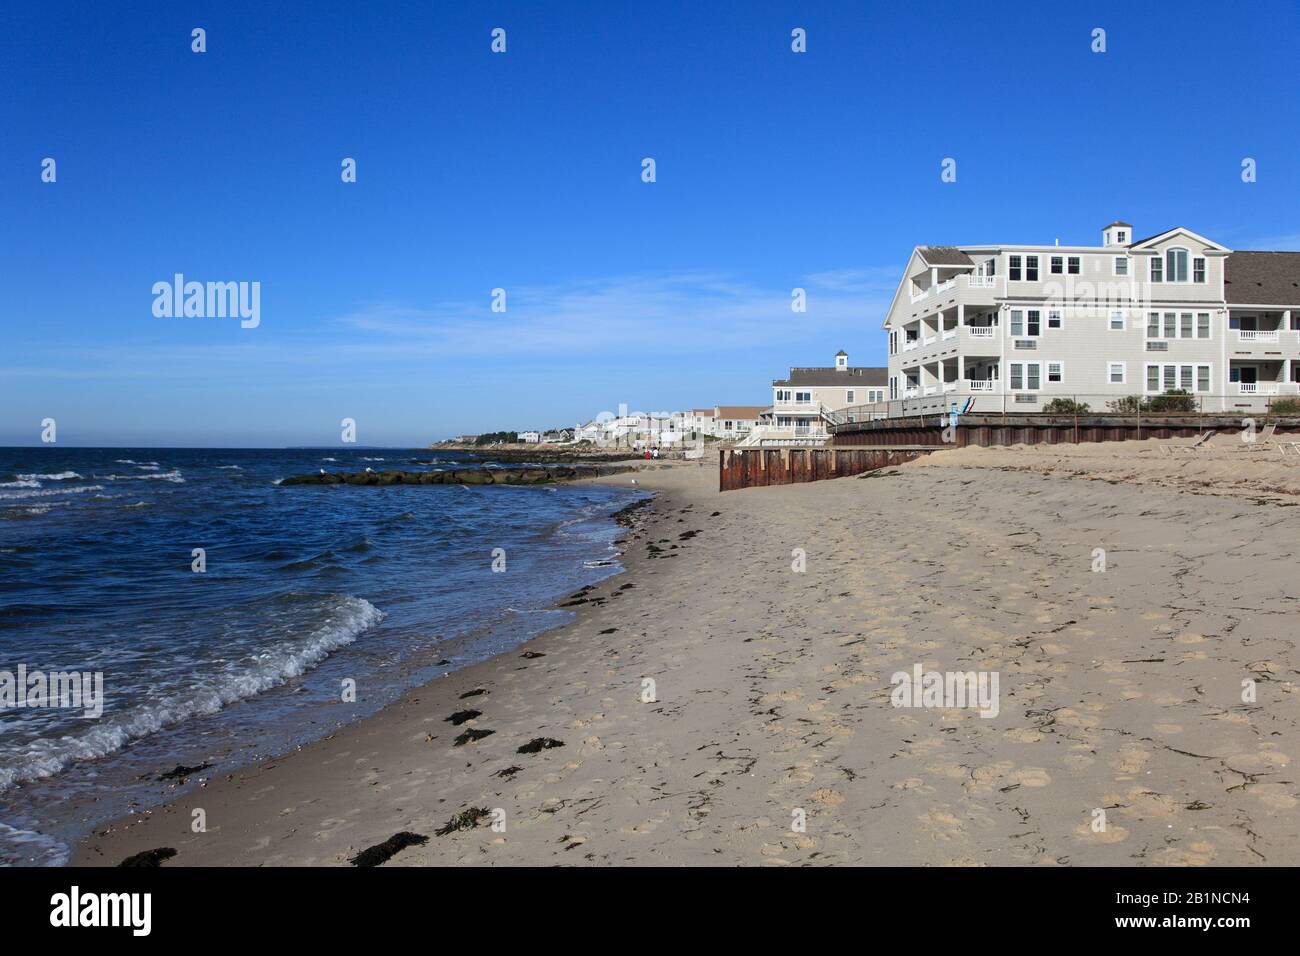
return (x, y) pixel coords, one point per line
(841, 360)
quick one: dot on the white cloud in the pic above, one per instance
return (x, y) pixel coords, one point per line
(660, 314)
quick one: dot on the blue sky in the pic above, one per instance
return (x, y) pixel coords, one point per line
(522, 171)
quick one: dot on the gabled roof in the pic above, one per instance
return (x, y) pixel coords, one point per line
(856, 377)
(1169, 232)
(944, 256)
(1262, 278)
(1120, 222)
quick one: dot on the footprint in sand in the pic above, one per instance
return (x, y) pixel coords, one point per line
(1112, 834)
(1023, 735)
(1031, 777)
(1196, 854)
(943, 826)
(1131, 760)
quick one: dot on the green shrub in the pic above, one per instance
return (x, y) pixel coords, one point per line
(1286, 406)
(1066, 406)
(1174, 400)
(1128, 405)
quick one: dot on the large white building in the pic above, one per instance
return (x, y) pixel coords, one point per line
(1017, 326)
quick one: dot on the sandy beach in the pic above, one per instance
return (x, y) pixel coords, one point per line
(1121, 690)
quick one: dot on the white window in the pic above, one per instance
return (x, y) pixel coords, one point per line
(1055, 372)
(1188, 378)
(1185, 325)
(1116, 372)
(1031, 268)
(803, 397)
(1053, 318)
(1117, 322)
(1072, 265)
(1025, 323)
(1025, 376)
(1121, 236)
(1176, 265)
(1121, 265)
(1157, 269)
(1171, 325)
(1153, 325)
(1198, 269)
(1203, 325)
(1013, 268)
(848, 395)
(1056, 265)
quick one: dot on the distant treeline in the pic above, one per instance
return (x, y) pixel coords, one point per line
(493, 437)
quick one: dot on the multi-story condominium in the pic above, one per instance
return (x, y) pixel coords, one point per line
(810, 399)
(1014, 327)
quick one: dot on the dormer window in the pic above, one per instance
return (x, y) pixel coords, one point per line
(1176, 265)
(1121, 236)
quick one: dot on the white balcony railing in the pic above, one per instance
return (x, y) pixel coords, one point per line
(928, 340)
(981, 282)
(980, 331)
(930, 390)
(911, 392)
(1250, 335)
(918, 296)
(1256, 388)
(949, 386)
(910, 344)
(980, 385)
(949, 333)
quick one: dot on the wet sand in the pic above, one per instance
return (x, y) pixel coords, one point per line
(1120, 691)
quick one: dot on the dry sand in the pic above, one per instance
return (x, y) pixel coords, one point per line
(1120, 690)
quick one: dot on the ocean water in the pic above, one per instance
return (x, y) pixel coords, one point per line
(305, 588)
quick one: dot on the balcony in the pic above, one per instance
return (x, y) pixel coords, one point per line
(911, 344)
(928, 340)
(965, 282)
(1256, 388)
(980, 331)
(980, 385)
(949, 333)
(912, 392)
(1263, 337)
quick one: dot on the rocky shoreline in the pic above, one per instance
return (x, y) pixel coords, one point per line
(459, 476)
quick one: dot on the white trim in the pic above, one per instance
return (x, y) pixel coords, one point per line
(1123, 373)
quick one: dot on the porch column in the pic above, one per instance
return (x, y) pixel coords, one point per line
(961, 315)
(961, 368)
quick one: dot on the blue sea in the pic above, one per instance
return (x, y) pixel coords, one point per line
(304, 588)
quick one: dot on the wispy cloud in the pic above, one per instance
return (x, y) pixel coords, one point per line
(658, 314)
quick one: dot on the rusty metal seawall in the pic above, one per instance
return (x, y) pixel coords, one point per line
(756, 467)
